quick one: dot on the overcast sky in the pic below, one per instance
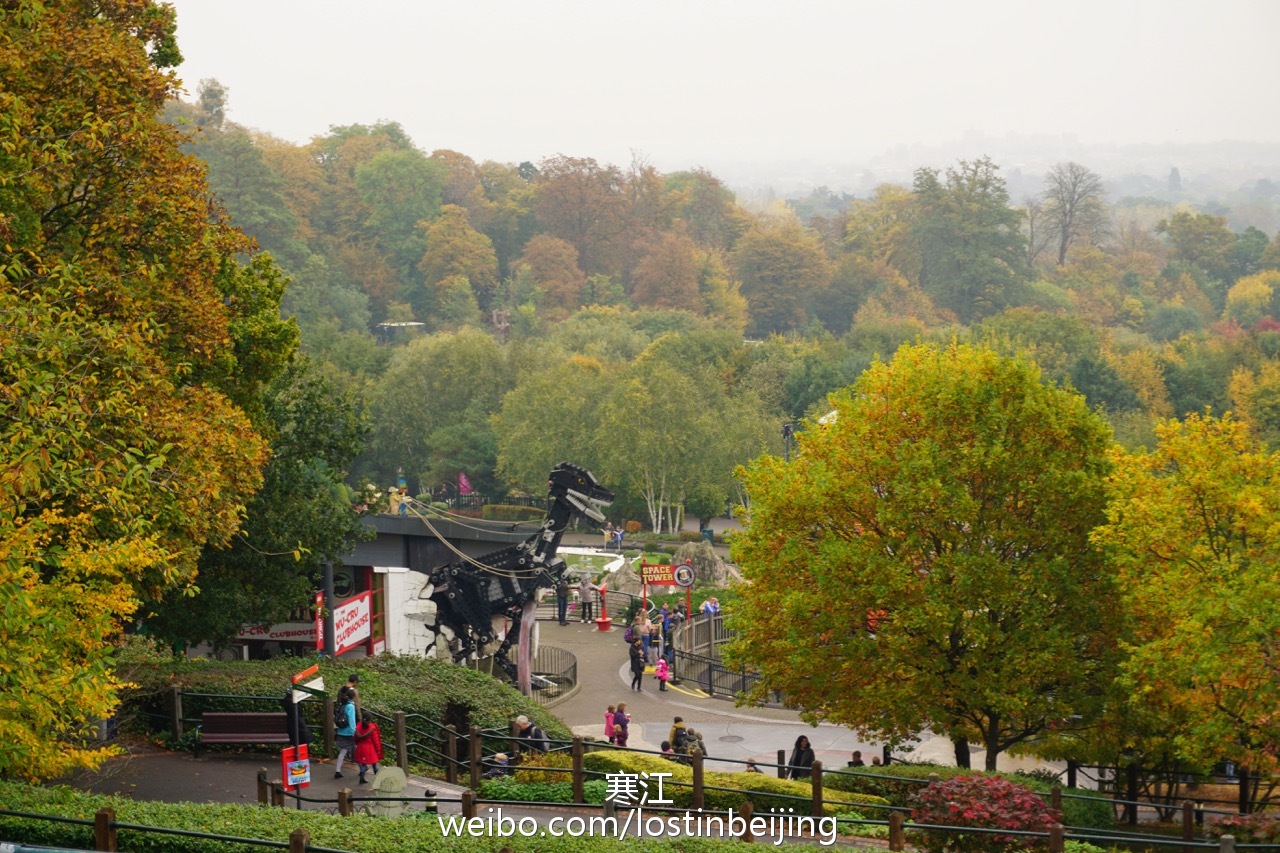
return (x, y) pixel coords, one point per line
(699, 82)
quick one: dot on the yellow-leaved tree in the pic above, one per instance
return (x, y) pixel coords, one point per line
(1193, 529)
(130, 341)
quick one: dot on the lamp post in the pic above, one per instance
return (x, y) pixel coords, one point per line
(788, 433)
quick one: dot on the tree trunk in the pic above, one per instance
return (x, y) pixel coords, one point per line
(962, 752)
(992, 742)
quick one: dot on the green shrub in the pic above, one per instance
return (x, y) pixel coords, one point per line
(690, 536)
(507, 512)
(418, 832)
(388, 683)
(898, 782)
(762, 791)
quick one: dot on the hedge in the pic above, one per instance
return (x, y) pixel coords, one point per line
(1094, 811)
(388, 683)
(509, 512)
(765, 793)
(418, 833)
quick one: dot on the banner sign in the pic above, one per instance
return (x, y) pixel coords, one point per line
(353, 622)
(291, 632)
(319, 626)
(658, 574)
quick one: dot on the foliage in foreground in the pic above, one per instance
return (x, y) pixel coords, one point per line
(898, 783)
(360, 834)
(982, 802)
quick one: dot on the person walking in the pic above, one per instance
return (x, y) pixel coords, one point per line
(621, 725)
(637, 666)
(562, 599)
(344, 735)
(662, 672)
(608, 723)
(368, 745)
(679, 736)
(801, 763)
(530, 736)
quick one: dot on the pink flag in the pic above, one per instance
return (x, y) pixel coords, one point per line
(464, 485)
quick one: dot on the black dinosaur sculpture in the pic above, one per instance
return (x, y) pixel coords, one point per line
(469, 593)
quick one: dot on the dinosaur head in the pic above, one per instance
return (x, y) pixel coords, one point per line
(579, 489)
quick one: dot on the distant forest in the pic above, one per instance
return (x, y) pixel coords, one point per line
(497, 318)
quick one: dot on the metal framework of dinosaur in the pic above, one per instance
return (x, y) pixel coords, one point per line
(469, 593)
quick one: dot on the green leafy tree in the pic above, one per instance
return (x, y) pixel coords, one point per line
(1192, 531)
(300, 518)
(923, 562)
(970, 242)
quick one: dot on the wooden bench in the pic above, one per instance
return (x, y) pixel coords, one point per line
(245, 727)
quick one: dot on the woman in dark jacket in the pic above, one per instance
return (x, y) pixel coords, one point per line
(637, 665)
(801, 759)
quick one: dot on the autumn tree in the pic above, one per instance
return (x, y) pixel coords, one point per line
(581, 201)
(132, 339)
(454, 248)
(1191, 528)
(666, 275)
(1075, 208)
(553, 264)
(781, 267)
(923, 562)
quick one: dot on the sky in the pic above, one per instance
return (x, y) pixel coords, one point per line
(687, 83)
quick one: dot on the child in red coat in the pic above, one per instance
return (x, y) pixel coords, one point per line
(368, 745)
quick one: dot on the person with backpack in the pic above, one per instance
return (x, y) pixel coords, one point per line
(344, 728)
(532, 737)
(368, 745)
(562, 599)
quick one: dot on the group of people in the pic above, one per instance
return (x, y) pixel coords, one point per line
(617, 724)
(355, 731)
(612, 537)
(588, 598)
(683, 743)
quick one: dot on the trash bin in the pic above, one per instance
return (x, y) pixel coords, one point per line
(708, 536)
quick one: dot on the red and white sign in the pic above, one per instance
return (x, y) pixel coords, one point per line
(292, 632)
(319, 626)
(353, 622)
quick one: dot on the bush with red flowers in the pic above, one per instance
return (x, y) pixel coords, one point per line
(1257, 828)
(986, 802)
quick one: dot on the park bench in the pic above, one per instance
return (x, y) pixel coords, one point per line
(242, 727)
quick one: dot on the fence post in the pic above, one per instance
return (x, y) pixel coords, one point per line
(1055, 838)
(1055, 799)
(747, 809)
(468, 804)
(579, 795)
(816, 778)
(1188, 823)
(277, 796)
(344, 802)
(782, 764)
(326, 723)
(1243, 792)
(104, 831)
(175, 711)
(263, 795)
(451, 755)
(897, 839)
(1131, 794)
(513, 744)
(298, 841)
(474, 754)
(610, 809)
(1227, 844)
(697, 781)
(402, 740)
(1072, 766)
